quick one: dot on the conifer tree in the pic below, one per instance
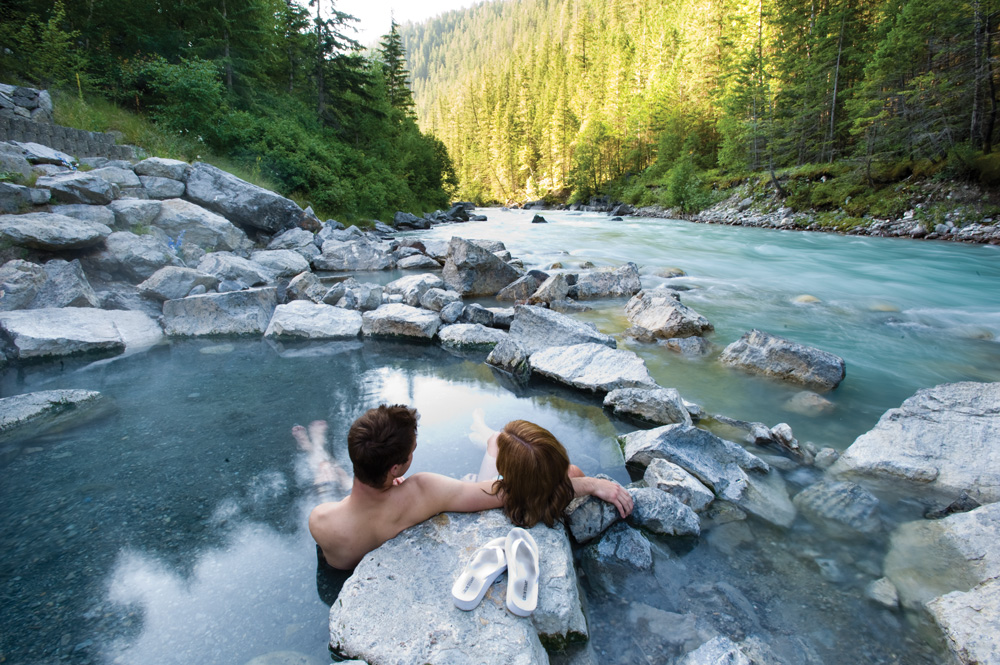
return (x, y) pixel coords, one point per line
(393, 57)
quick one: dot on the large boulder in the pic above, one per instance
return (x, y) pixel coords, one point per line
(232, 268)
(472, 270)
(88, 213)
(354, 255)
(662, 406)
(759, 352)
(731, 472)
(413, 287)
(536, 328)
(134, 214)
(660, 314)
(437, 299)
(65, 285)
(77, 187)
(239, 201)
(235, 313)
(662, 513)
(21, 281)
(399, 320)
(941, 441)
(592, 366)
(200, 227)
(36, 153)
(30, 414)
(301, 319)
(929, 558)
(674, 480)
(969, 622)
(51, 232)
(281, 262)
(159, 167)
(407, 220)
(161, 188)
(126, 179)
(559, 286)
(608, 283)
(44, 333)
(173, 282)
(508, 356)
(417, 262)
(133, 257)
(470, 335)
(297, 240)
(396, 608)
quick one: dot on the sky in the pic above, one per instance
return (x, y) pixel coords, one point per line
(374, 15)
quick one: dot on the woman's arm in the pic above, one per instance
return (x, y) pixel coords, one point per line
(606, 490)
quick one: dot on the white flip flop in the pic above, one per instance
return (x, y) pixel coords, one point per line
(487, 564)
(522, 574)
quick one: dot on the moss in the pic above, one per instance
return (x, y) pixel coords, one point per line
(987, 169)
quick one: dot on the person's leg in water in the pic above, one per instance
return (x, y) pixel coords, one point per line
(327, 474)
(481, 434)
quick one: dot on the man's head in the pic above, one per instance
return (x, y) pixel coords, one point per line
(380, 439)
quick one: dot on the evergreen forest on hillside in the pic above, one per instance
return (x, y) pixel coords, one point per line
(273, 87)
(652, 101)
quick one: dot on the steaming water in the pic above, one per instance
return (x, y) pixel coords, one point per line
(173, 530)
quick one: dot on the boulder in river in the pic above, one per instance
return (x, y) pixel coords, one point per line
(674, 480)
(523, 287)
(608, 283)
(413, 287)
(244, 312)
(436, 299)
(588, 517)
(662, 513)
(942, 440)
(536, 328)
(472, 270)
(659, 313)
(662, 406)
(470, 335)
(301, 319)
(510, 357)
(969, 621)
(31, 414)
(842, 509)
(51, 232)
(399, 320)
(239, 201)
(43, 333)
(759, 352)
(592, 366)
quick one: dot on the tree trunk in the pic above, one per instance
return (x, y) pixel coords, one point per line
(836, 80)
(225, 37)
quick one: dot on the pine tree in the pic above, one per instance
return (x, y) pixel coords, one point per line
(393, 58)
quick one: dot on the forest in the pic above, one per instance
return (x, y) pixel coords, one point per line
(654, 102)
(276, 88)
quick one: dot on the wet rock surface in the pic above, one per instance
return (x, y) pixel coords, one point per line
(536, 328)
(592, 367)
(472, 270)
(662, 406)
(759, 352)
(660, 314)
(399, 320)
(236, 313)
(301, 319)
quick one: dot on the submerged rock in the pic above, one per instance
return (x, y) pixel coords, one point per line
(621, 552)
(592, 367)
(969, 622)
(842, 509)
(759, 352)
(660, 314)
(235, 313)
(662, 406)
(537, 328)
(31, 414)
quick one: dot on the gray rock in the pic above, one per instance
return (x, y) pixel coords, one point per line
(173, 282)
(301, 319)
(436, 299)
(99, 214)
(674, 480)
(40, 154)
(621, 548)
(399, 320)
(14, 199)
(568, 306)
(587, 517)
(591, 366)
(132, 214)
(969, 622)
(662, 406)
(608, 283)
(159, 167)
(476, 313)
(474, 271)
(409, 220)
(417, 262)
(12, 161)
(941, 441)
(364, 297)
(65, 286)
(239, 201)
(491, 246)
(825, 458)
(162, 188)
(124, 178)
(537, 328)
(282, 262)
(338, 233)
(20, 282)
(306, 286)
(452, 312)
(717, 651)
(465, 335)
(659, 314)
(883, 592)
(808, 403)
(43, 333)
(227, 266)
(510, 357)
(928, 558)
(759, 352)
(383, 229)
(842, 509)
(236, 313)
(354, 255)
(395, 608)
(200, 227)
(413, 287)
(51, 232)
(502, 316)
(689, 346)
(523, 287)
(296, 240)
(437, 249)
(558, 286)
(76, 187)
(662, 513)
(725, 467)
(538, 219)
(31, 414)
(133, 257)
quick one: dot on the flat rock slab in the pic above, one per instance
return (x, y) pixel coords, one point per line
(470, 335)
(235, 313)
(44, 333)
(360, 254)
(592, 367)
(186, 222)
(301, 319)
(76, 187)
(662, 406)
(759, 352)
(33, 413)
(943, 440)
(399, 320)
(51, 232)
(536, 328)
(396, 608)
(239, 201)
(970, 623)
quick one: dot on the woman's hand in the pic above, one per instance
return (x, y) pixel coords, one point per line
(605, 490)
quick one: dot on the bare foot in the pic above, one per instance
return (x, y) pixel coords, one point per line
(302, 438)
(480, 433)
(317, 433)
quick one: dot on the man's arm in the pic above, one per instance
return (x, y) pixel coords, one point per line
(440, 494)
(606, 490)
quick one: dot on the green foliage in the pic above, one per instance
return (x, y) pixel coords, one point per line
(42, 51)
(9, 176)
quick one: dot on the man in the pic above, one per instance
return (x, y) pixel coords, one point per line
(380, 505)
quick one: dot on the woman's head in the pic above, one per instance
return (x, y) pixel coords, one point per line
(534, 466)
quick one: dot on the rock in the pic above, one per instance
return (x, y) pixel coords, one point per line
(608, 283)
(297, 240)
(13, 161)
(364, 297)
(621, 551)
(537, 328)
(662, 513)
(159, 167)
(511, 358)
(337, 232)
(587, 517)
(928, 558)
(76, 187)
(31, 414)
(413, 287)
(65, 286)
(20, 282)
(14, 199)
(133, 214)
(392, 609)
(36, 153)
(383, 229)
(759, 352)
(464, 335)
(674, 480)
(227, 266)
(474, 271)
(941, 441)
(538, 219)
(281, 262)
(883, 592)
(659, 314)
(354, 255)
(842, 509)
(42, 333)
(200, 227)
(98, 214)
(400, 320)
(969, 622)
(808, 403)
(670, 273)
(502, 316)
(417, 262)
(406, 220)
(458, 213)
(568, 306)
(126, 179)
(306, 286)
(452, 312)
(301, 319)
(726, 468)
(558, 286)
(244, 312)
(523, 287)
(436, 249)
(621, 209)
(805, 299)
(662, 406)
(51, 232)
(717, 651)
(435, 299)
(173, 282)
(162, 188)
(825, 458)
(133, 257)
(475, 313)
(591, 366)
(239, 201)
(689, 346)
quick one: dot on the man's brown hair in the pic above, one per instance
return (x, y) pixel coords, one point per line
(380, 438)
(535, 485)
